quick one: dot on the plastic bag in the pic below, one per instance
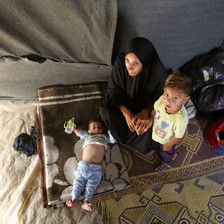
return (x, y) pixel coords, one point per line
(207, 73)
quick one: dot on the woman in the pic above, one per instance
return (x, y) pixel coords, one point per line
(136, 82)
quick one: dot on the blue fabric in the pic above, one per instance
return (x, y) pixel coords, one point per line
(219, 149)
(166, 155)
(88, 174)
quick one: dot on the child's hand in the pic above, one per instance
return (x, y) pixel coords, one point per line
(167, 147)
(71, 127)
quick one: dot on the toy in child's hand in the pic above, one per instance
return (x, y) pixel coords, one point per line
(67, 124)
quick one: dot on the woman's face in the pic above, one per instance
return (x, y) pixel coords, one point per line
(133, 65)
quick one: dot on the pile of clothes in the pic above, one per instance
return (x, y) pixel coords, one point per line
(26, 143)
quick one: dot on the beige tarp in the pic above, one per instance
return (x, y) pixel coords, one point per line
(21, 174)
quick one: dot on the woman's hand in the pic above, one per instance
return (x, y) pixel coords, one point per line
(142, 122)
(130, 123)
(129, 117)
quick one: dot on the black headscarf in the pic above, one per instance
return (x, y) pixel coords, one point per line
(137, 92)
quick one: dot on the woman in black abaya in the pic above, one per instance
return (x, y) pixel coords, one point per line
(136, 82)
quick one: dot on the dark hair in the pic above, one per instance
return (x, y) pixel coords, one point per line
(98, 120)
(180, 81)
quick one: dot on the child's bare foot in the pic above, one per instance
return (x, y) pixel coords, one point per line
(87, 206)
(72, 203)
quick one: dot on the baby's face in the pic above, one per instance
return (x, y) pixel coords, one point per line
(95, 128)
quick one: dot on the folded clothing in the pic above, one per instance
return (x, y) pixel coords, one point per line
(26, 143)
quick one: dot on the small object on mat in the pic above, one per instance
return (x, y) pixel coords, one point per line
(67, 124)
(26, 143)
(150, 153)
(161, 168)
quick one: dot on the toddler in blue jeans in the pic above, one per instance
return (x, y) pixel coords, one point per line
(89, 171)
(169, 117)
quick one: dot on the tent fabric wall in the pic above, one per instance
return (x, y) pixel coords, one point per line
(179, 29)
(74, 31)
(47, 42)
(90, 34)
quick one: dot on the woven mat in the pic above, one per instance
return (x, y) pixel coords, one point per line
(199, 200)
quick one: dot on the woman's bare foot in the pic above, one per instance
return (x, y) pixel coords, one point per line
(87, 206)
(72, 203)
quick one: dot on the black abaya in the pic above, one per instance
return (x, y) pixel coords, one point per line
(134, 92)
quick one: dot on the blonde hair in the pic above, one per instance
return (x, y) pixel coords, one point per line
(179, 81)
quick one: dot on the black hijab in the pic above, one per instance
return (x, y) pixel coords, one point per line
(137, 92)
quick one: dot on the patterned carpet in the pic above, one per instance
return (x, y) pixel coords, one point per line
(192, 159)
(199, 200)
(190, 192)
(181, 195)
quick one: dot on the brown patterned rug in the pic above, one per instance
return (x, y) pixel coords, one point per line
(59, 152)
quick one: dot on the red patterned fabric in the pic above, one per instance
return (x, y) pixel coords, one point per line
(212, 133)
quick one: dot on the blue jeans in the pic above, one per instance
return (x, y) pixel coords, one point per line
(88, 174)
